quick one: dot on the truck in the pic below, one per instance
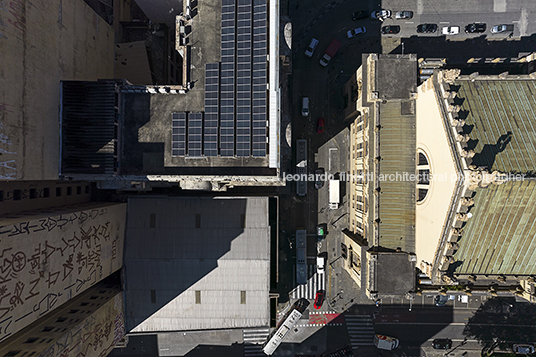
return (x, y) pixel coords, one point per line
(334, 187)
(385, 342)
(330, 52)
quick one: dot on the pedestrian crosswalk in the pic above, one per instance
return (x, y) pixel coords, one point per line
(253, 340)
(361, 330)
(317, 281)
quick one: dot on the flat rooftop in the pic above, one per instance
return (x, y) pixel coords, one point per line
(197, 263)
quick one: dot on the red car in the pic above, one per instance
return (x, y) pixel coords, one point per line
(319, 300)
(320, 126)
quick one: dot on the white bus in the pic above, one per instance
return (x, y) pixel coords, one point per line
(286, 324)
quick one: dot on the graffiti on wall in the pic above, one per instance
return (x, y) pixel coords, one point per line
(8, 169)
(14, 11)
(34, 278)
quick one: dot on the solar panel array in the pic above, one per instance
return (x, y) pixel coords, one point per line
(178, 134)
(235, 90)
(210, 130)
(227, 78)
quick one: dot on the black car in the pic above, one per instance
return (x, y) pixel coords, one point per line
(475, 28)
(442, 343)
(390, 29)
(358, 15)
(427, 28)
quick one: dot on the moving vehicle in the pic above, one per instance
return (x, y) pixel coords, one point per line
(311, 48)
(305, 107)
(427, 28)
(442, 344)
(385, 342)
(334, 186)
(320, 126)
(319, 179)
(523, 349)
(319, 299)
(301, 167)
(381, 14)
(403, 15)
(358, 15)
(502, 29)
(390, 29)
(320, 232)
(287, 323)
(330, 52)
(451, 30)
(357, 31)
(320, 264)
(440, 300)
(475, 27)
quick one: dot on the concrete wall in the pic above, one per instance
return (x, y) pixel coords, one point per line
(42, 42)
(89, 325)
(46, 259)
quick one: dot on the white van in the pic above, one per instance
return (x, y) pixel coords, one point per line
(320, 264)
(305, 107)
(311, 48)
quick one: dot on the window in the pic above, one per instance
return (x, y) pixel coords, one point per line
(78, 190)
(17, 194)
(242, 297)
(31, 340)
(69, 191)
(61, 319)
(47, 329)
(84, 303)
(33, 193)
(1, 195)
(72, 311)
(422, 193)
(87, 189)
(198, 296)
(46, 192)
(11, 353)
(58, 191)
(422, 159)
(344, 251)
(152, 220)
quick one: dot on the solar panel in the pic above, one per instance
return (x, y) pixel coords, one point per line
(210, 122)
(195, 126)
(178, 134)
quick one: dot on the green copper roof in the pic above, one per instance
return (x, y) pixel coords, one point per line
(397, 198)
(500, 237)
(501, 120)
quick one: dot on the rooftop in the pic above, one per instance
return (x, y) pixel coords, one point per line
(395, 274)
(500, 117)
(499, 238)
(197, 263)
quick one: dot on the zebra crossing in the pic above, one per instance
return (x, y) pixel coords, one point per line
(253, 339)
(360, 329)
(317, 281)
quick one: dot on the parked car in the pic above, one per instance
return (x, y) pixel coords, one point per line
(320, 264)
(380, 14)
(501, 29)
(403, 15)
(305, 107)
(319, 183)
(523, 349)
(451, 30)
(427, 28)
(311, 48)
(390, 29)
(358, 15)
(319, 299)
(442, 344)
(355, 32)
(320, 125)
(475, 27)
(440, 300)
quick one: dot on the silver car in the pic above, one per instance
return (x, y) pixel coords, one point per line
(501, 28)
(403, 15)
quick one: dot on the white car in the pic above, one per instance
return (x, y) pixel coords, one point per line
(451, 30)
(381, 14)
(400, 15)
(311, 48)
(357, 31)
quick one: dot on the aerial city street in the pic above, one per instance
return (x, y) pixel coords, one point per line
(307, 178)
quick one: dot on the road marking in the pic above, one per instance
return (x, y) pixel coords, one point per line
(409, 22)
(444, 22)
